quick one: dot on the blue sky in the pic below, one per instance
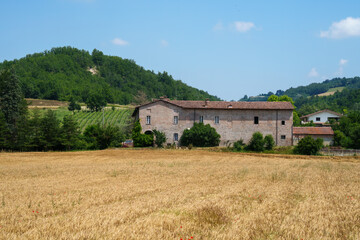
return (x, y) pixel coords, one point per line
(228, 48)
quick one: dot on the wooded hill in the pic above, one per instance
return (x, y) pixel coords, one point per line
(63, 72)
(343, 95)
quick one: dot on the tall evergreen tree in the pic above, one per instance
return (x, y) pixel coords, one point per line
(14, 109)
(3, 132)
(51, 130)
(35, 133)
(70, 133)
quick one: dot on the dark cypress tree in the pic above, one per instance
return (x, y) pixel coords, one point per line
(70, 133)
(50, 129)
(3, 132)
(14, 109)
(35, 134)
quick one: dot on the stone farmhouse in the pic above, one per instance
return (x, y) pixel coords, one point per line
(232, 120)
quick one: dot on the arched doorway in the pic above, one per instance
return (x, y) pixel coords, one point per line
(148, 132)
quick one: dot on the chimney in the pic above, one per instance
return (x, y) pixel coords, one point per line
(164, 98)
(206, 102)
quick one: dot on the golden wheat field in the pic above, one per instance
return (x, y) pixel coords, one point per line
(177, 194)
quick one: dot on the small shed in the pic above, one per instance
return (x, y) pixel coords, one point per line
(325, 133)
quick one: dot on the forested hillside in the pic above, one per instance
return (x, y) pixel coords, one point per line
(342, 102)
(342, 95)
(63, 72)
(318, 88)
(310, 90)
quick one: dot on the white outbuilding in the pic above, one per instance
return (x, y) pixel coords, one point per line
(321, 117)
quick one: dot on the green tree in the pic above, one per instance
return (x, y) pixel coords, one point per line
(3, 132)
(10, 97)
(97, 57)
(355, 136)
(308, 146)
(347, 130)
(14, 109)
(73, 105)
(70, 133)
(273, 98)
(296, 119)
(256, 142)
(160, 138)
(338, 138)
(50, 127)
(285, 98)
(102, 137)
(35, 135)
(95, 102)
(140, 139)
(269, 142)
(200, 135)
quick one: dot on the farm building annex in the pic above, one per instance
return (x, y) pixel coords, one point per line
(232, 120)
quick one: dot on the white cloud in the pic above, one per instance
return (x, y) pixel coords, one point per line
(164, 43)
(313, 73)
(348, 27)
(218, 27)
(343, 62)
(119, 41)
(243, 26)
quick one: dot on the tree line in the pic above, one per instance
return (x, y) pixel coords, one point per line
(22, 131)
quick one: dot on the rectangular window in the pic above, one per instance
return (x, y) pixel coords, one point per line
(318, 119)
(283, 136)
(217, 120)
(282, 122)
(176, 120)
(201, 119)
(256, 120)
(148, 120)
(176, 137)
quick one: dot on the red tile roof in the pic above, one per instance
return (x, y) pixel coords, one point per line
(313, 131)
(228, 105)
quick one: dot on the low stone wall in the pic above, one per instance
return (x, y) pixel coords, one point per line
(340, 152)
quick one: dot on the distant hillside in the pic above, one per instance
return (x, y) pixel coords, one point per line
(338, 94)
(346, 100)
(63, 72)
(319, 88)
(325, 88)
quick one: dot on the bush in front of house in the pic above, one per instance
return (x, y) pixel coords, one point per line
(239, 145)
(140, 139)
(256, 142)
(308, 146)
(200, 135)
(160, 138)
(269, 142)
(102, 137)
